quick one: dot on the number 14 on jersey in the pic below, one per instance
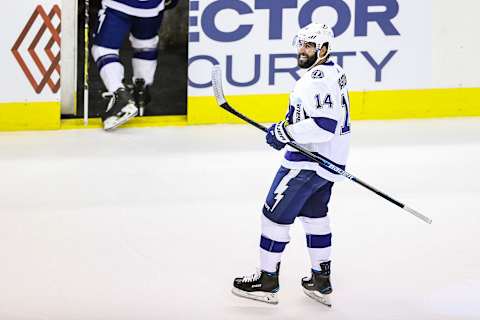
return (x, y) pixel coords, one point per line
(327, 102)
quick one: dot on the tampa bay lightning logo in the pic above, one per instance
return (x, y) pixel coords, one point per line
(317, 74)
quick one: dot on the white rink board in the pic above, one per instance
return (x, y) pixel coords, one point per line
(407, 32)
(13, 81)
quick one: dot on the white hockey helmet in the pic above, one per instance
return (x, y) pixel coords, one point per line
(317, 33)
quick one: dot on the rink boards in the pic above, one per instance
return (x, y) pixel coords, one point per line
(391, 104)
(394, 104)
(394, 54)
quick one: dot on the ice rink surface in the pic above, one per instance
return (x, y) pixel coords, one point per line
(155, 223)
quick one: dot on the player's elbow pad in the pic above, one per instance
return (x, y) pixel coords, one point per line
(313, 130)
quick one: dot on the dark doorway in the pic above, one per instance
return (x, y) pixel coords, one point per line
(169, 91)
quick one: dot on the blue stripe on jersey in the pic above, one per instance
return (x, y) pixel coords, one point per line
(145, 4)
(271, 245)
(319, 241)
(328, 63)
(298, 157)
(326, 124)
(289, 115)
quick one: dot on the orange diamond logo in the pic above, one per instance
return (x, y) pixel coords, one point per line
(48, 33)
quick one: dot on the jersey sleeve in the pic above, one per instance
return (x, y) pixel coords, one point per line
(321, 103)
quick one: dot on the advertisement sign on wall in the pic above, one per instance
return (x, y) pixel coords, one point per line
(382, 44)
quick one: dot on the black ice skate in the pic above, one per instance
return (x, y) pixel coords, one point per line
(262, 286)
(318, 286)
(141, 95)
(119, 110)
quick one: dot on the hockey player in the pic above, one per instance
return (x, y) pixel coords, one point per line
(318, 120)
(117, 19)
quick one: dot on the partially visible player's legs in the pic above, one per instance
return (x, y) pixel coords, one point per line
(112, 30)
(287, 196)
(144, 63)
(316, 224)
(144, 40)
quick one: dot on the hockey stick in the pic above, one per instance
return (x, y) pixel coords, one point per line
(324, 162)
(85, 65)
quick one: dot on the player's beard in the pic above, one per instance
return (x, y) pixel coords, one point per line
(306, 63)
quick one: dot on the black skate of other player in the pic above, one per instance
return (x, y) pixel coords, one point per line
(119, 110)
(141, 95)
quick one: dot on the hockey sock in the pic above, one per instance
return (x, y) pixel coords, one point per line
(144, 59)
(273, 241)
(109, 66)
(319, 239)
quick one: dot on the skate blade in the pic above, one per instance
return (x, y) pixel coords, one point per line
(111, 125)
(267, 297)
(317, 296)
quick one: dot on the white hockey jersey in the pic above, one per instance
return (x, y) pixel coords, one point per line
(138, 8)
(319, 117)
